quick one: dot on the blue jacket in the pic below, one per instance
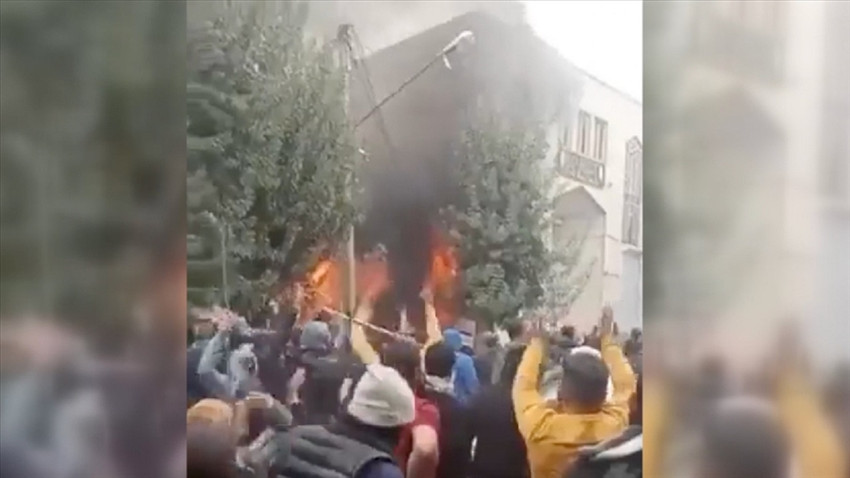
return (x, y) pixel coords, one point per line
(465, 380)
(380, 469)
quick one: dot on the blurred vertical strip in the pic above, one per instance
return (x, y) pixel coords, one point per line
(93, 154)
(833, 307)
(746, 150)
(747, 230)
(92, 237)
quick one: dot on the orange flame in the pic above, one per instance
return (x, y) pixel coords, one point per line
(324, 284)
(442, 280)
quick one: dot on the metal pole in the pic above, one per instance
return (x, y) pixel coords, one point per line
(224, 291)
(345, 54)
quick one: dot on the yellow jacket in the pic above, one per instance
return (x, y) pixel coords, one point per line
(553, 437)
(815, 441)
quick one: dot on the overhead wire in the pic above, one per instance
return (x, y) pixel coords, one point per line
(366, 81)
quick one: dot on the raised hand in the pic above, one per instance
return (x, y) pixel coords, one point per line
(606, 321)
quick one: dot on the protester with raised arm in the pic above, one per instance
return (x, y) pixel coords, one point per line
(583, 415)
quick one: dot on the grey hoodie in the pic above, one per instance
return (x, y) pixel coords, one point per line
(239, 379)
(499, 362)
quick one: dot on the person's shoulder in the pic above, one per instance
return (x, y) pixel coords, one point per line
(427, 413)
(380, 469)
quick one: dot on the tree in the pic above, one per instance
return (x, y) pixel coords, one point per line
(270, 146)
(567, 275)
(502, 221)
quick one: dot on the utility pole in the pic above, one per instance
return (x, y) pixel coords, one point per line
(344, 34)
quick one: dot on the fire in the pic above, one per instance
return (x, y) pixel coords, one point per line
(442, 280)
(321, 288)
(325, 284)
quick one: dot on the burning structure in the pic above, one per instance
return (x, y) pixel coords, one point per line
(412, 141)
(411, 144)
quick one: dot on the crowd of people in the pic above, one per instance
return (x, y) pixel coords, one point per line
(302, 402)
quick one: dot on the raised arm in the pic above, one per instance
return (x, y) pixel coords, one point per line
(432, 324)
(622, 377)
(359, 344)
(813, 438)
(531, 412)
(215, 351)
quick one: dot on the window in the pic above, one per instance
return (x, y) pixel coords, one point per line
(600, 139)
(584, 133)
(632, 197)
(631, 225)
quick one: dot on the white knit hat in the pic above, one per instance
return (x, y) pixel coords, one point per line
(382, 398)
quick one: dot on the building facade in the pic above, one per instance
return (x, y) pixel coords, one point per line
(761, 176)
(598, 160)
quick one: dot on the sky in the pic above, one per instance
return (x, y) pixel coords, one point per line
(604, 38)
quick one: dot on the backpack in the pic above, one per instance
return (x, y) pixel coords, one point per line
(319, 394)
(619, 457)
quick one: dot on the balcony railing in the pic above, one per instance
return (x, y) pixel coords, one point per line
(583, 169)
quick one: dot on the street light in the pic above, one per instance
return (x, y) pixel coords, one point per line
(465, 37)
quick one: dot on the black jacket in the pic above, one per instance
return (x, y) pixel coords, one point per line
(315, 451)
(484, 365)
(324, 376)
(499, 450)
(455, 435)
(619, 457)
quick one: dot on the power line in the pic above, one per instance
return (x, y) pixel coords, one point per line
(366, 79)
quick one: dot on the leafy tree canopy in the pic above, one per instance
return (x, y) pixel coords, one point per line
(502, 223)
(270, 147)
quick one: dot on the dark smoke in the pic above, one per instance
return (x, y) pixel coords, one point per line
(402, 218)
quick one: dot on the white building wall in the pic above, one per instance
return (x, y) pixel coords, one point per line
(803, 277)
(625, 121)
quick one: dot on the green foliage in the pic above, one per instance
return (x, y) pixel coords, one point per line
(501, 223)
(270, 147)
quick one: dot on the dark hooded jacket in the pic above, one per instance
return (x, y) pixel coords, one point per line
(499, 449)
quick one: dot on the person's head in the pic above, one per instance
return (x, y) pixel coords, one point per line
(439, 360)
(243, 369)
(210, 451)
(514, 328)
(743, 438)
(585, 382)
(568, 331)
(489, 341)
(380, 402)
(636, 334)
(453, 338)
(404, 358)
(316, 337)
(210, 410)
